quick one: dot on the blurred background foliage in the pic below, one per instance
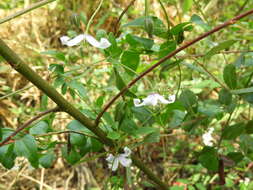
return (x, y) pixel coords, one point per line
(35, 37)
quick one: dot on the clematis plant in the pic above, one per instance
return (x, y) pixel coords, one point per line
(124, 159)
(153, 100)
(207, 137)
(102, 44)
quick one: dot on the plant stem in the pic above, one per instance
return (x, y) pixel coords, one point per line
(14, 60)
(19, 65)
(28, 9)
(166, 15)
(120, 17)
(149, 173)
(92, 17)
(16, 92)
(186, 45)
(27, 124)
(221, 52)
(210, 74)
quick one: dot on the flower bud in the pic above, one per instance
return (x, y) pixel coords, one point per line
(149, 26)
(75, 19)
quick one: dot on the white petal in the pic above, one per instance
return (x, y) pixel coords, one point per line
(104, 43)
(172, 98)
(72, 42)
(162, 99)
(137, 102)
(126, 162)
(207, 137)
(64, 40)
(150, 100)
(91, 40)
(110, 158)
(115, 164)
(127, 151)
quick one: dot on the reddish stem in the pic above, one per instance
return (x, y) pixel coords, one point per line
(26, 124)
(186, 45)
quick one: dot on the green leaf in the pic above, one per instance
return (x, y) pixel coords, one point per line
(177, 118)
(233, 131)
(79, 87)
(209, 158)
(27, 147)
(198, 20)
(7, 156)
(113, 135)
(189, 100)
(55, 54)
(229, 76)
(152, 137)
(167, 48)
(235, 156)
(249, 127)
(246, 145)
(56, 68)
(176, 30)
(131, 60)
(128, 126)
(77, 139)
(121, 84)
(114, 50)
(242, 91)
(159, 29)
(225, 97)
(72, 157)
(143, 115)
(39, 128)
(47, 160)
(75, 125)
(187, 5)
(219, 47)
(134, 41)
(95, 145)
(145, 130)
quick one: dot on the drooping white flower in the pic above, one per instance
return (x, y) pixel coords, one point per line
(207, 137)
(102, 44)
(124, 159)
(246, 181)
(153, 100)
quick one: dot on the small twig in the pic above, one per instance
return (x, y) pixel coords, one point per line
(62, 132)
(221, 52)
(166, 15)
(42, 178)
(28, 9)
(210, 74)
(36, 181)
(16, 92)
(121, 15)
(186, 45)
(242, 7)
(93, 16)
(26, 124)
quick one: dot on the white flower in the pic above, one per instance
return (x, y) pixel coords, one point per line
(153, 100)
(113, 161)
(207, 137)
(102, 44)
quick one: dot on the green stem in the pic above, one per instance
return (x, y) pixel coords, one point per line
(92, 17)
(19, 65)
(28, 9)
(16, 92)
(166, 15)
(149, 173)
